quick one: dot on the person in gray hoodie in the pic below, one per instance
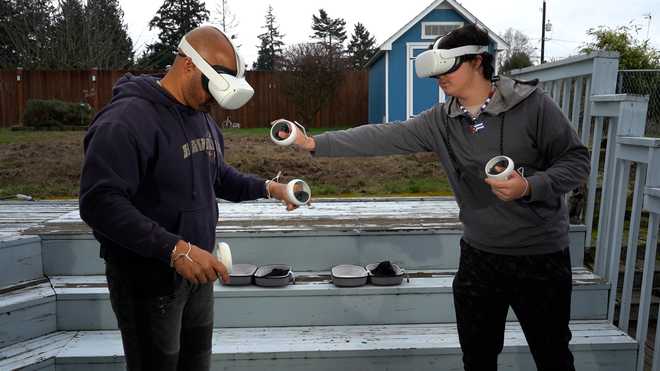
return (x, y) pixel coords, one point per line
(514, 250)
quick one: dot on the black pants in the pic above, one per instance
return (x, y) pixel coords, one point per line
(161, 330)
(537, 287)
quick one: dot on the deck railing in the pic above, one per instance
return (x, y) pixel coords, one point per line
(571, 83)
(618, 121)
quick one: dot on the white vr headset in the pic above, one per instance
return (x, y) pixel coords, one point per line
(437, 62)
(230, 91)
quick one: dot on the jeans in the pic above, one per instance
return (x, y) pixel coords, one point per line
(166, 325)
(537, 288)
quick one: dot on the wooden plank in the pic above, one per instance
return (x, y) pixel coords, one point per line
(21, 259)
(565, 99)
(34, 352)
(631, 254)
(577, 107)
(596, 345)
(615, 234)
(26, 313)
(647, 284)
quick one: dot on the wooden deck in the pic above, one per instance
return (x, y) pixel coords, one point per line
(52, 271)
(265, 215)
(596, 346)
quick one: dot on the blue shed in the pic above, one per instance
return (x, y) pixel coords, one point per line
(395, 91)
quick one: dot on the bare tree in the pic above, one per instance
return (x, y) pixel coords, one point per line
(519, 45)
(226, 19)
(313, 73)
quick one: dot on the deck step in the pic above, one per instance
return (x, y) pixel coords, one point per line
(313, 301)
(596, 345)
(27, 311)
(21, 259)
(419, 234)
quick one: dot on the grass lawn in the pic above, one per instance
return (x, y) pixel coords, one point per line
(46, 165)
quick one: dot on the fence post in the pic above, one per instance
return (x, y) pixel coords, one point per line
(93, 90)
(19, 95)
(627, 115)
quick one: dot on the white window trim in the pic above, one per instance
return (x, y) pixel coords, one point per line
(410, 49)
(433, 37)
(387, 86)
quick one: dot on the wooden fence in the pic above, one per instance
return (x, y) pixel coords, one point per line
(349, 106)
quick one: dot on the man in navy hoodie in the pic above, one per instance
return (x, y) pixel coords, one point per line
(154, 165)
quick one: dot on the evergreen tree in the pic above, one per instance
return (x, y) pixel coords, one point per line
(361, 47)
(270, 50)
(108, 43)
(174, 19)
(331, 32)
(515, 61)
(33, 34)
(68, 45)
(8, 52)
(25, 33)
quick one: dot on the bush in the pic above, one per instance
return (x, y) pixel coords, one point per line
(56, 115)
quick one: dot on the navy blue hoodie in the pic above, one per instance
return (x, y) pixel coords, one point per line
(152, 171)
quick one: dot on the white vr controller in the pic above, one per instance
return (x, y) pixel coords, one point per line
(223, 253)
(500, 161)
(298, 192)
(287, 126)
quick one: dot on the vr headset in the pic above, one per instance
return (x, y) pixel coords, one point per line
(228, 88)
(437, 62)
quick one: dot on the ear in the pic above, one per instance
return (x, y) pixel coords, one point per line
(189, 65)
(478, 62)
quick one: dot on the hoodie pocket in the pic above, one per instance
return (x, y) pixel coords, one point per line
(544, 210)
(198, 226)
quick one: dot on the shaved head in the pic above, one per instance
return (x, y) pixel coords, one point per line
(213, 46)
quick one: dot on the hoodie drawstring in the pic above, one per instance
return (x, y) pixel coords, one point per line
(215, 148)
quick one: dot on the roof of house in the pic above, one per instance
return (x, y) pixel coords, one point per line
(387, 45)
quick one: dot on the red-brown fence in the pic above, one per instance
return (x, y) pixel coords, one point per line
(349, 106)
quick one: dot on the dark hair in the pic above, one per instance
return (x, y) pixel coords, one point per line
(470, 35)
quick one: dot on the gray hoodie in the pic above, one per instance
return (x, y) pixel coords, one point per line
(520, 122)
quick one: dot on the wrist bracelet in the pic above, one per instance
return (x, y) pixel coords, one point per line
(275, 179)
(178, 256)
(526, 187)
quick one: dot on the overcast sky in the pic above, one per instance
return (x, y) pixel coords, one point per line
(570, 19)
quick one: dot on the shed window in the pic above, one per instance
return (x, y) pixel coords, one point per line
(432, 30)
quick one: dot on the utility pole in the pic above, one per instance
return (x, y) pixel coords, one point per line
(648, 26)
(543, 35)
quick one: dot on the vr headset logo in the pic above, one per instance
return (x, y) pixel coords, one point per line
(230, 91)
(437, 62)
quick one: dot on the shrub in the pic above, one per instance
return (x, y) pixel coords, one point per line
(56, 115)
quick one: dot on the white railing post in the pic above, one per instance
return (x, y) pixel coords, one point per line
(652, 205)
(627, 116)
(645, 153)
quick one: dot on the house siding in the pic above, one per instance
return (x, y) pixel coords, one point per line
(377, 91)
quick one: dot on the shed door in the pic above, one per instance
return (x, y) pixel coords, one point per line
(422, 93)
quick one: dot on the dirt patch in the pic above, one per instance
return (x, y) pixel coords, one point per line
(50, 168)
